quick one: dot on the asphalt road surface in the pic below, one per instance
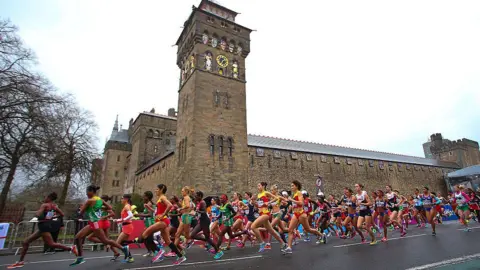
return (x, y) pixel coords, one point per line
(452, 248)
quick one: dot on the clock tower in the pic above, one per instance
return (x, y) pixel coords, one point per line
(212, 151)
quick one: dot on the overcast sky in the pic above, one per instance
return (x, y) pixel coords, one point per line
(379, 75)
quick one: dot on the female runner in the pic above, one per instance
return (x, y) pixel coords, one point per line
(227, 214)
(127, 226)
(419, 210)
(336, 214)
(299, 216)
(104, 221)
(323, 210)
(462, 200)
(186, 218)
(393, 204)
(351, 219)
(428, 201)
(277, 214)
(239, 208)
(214, 226)
(263, 197)
(161, 224)
(203, 224)
(148, 220)
(250, 212)
(364, 213)
(46, 216)
(381, 209)
(93, 208)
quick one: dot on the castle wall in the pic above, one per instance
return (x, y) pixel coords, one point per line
(339, 172)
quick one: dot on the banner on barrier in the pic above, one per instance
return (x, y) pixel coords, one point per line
(3, 234)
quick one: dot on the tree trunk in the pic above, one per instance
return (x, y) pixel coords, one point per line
(63, 196)
(8, 182)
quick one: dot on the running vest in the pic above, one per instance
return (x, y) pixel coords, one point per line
(147, 220)
(215, 210)
(94, 212)
(461, 198)
(392, 199)
(427, 200)
(226, 212)
(361, 198)
(262, 202)
(124, 214)
(296, 196)
(160, 209)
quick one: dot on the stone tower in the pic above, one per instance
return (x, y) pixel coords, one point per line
(464, 152)
(211, 150)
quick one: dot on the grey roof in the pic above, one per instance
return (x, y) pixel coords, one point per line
(309, 147)
(119, 136)
(472, 170)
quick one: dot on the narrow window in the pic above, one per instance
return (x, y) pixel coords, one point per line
(220, 146)
(212, 144)
(217, 98)
(118, 158)
(116, 173)
(185, 149)
(155, 149)
(251, 161)
(230, 147)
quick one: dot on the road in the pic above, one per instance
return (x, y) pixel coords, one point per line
(452, 248)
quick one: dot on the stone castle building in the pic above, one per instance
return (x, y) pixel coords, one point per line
(205, 143)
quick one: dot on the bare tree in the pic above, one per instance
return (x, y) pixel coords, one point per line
(72, 136)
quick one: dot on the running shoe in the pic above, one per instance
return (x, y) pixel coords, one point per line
(287, 251)
(307, 239)
(434, 233)
(467, 230)
(324, 239)
(218, 255)
(284, 246)
(129, 260)
(241, 245)
(384, 239)
(373, 243)
(148, 254)
(115, 257)
(16, 265)
(78, 261)
(190, 244)
(212, 251)
(262, 247)
(364, 240)
(180, 260)
(159, 256)
(403, 234)
(319, 241)
(170, 254)
(419, 225)
(268, 246)
(74, 250)
(225, 248)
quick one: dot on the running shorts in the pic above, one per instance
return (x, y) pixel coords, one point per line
(463, 207)
(127, 228)
(365, 213)
(186, 219)
(94, 225)
(104, 224)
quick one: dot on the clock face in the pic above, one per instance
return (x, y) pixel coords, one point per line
(222, 61)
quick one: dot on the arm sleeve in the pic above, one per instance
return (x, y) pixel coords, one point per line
(130, 216)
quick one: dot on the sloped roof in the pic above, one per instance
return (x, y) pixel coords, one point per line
(309, 147)
(119, 136)
(472, 170)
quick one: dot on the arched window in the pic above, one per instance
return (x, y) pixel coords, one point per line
(211, 140)
(230, 146)
(156, 134)
(150, 133)
(220, 146)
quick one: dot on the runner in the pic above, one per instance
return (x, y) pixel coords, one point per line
(251, 215)
(46, 215)
(381, 209)
(203, 225)
(215, 222)
(299, 216)
(148, 220)
(364, 213)
(161, 224)
(186, 219)
(323, 210)
(227, 214)
(93, 208)
(127, 226)
(276, 216)
(263, 198)
(393, 204)
(419, 211)
(351, 219)
(336, 215)
(104, 221)
(428, 202)
(239, 208)
(463, 211)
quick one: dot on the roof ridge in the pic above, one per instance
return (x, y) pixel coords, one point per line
(338, 146)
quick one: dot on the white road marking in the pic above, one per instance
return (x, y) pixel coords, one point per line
(447, 262)
(197, 263)
(65, 260)
(477, 227)
(397, 238)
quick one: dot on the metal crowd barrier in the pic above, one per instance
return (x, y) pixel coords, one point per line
(17, 233)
